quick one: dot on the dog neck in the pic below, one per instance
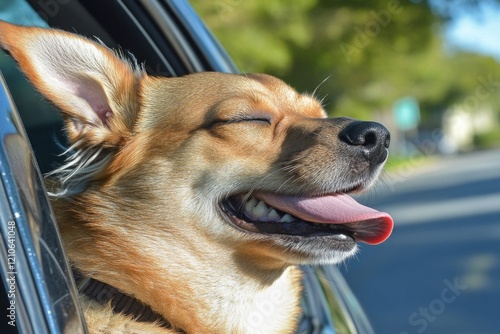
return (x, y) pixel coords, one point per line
(236, 293)
(121, 303)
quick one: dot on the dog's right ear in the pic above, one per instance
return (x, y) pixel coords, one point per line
(96, 90)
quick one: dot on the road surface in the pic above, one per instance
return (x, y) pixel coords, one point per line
(440, 270)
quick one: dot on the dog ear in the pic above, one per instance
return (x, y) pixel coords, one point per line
(96, 90)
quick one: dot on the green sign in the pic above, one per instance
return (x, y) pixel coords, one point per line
(406, 113)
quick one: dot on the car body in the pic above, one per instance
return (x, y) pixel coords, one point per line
(170, 39)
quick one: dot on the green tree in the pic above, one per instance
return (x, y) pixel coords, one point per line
(359, 56)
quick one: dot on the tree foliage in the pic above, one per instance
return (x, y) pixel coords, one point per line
(359, 56)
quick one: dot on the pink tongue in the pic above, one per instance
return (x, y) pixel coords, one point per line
(370, 226)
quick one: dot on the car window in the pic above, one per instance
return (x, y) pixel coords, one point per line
(18, 11)
(43, 124)
(40, 294)
(42, 121)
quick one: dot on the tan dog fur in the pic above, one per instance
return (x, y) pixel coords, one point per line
(169, 150)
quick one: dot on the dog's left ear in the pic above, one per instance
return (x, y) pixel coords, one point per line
(96, 90)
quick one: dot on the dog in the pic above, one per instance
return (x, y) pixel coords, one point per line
(197, 197)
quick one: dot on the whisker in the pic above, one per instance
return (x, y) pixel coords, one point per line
(318, 86)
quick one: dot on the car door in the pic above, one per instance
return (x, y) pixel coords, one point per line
(39, 294)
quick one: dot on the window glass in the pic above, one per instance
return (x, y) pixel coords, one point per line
(25, 97)
(19, 12)
(41, 120)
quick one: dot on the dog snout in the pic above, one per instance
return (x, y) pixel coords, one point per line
(371, 139)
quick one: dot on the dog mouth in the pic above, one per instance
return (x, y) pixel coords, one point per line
(332, 215)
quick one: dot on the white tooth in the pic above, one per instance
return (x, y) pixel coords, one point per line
(250, 204)
(286, 219)
(273, 215)
(260, 210)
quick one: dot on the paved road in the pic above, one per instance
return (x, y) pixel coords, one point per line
(440, 270)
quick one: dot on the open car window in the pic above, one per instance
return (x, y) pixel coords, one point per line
(39, 295)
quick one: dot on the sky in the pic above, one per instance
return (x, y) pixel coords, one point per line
(478, 32)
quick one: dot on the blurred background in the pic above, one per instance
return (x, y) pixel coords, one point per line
(429, 71)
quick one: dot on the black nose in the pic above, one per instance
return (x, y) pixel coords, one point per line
(370, 138)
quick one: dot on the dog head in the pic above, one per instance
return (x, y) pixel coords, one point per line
(242, 163)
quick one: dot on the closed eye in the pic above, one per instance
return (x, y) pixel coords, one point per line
(257, 118)
(263, 120)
